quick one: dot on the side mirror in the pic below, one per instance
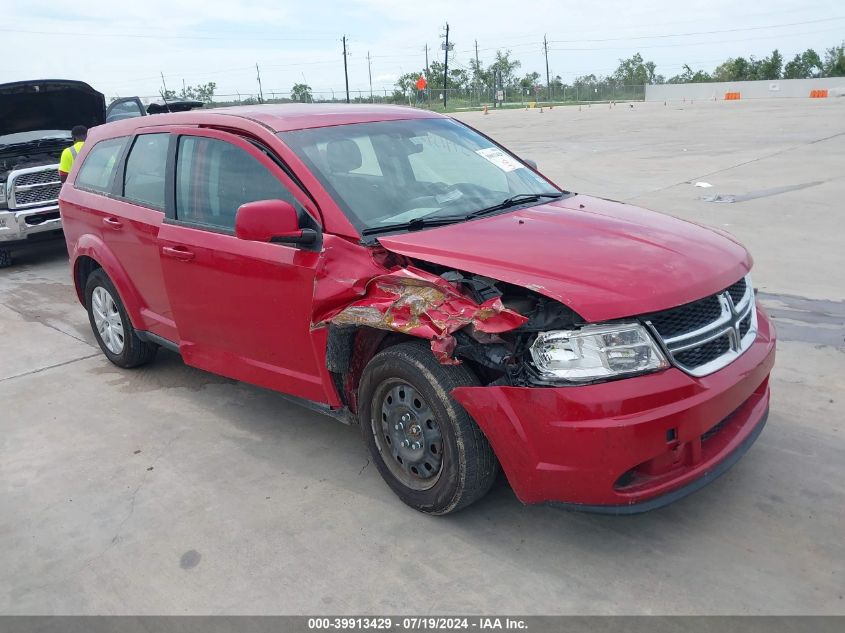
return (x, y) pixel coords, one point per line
(531, 163)
(271, 221)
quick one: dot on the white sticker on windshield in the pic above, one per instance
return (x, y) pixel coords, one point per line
(500, 159)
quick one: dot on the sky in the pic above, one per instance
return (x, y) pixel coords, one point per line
(122, 50)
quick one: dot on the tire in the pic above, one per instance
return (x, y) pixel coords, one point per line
(404, 386)
(124, 350)
(5, 258)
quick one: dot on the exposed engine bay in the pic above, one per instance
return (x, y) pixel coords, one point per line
(468, 318)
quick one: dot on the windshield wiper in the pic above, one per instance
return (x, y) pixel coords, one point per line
(428, 221)
(512, 202)
(414, 225)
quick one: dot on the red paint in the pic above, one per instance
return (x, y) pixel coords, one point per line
(262, 220)
(257, 311)
(605, 261)
(571, 444)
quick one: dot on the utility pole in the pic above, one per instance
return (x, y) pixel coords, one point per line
(477, 73)
(260, 91)
(546, 52)
(370, 71)
(446, 68)
(427, 75)
(345, 71)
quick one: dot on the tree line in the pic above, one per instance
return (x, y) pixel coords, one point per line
(504, 72)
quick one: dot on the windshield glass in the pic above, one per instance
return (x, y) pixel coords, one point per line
(392, 172)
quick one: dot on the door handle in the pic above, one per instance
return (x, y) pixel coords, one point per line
(177, 252)
(113, 223)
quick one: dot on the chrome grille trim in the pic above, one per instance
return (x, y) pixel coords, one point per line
(728, 323)
(35, 186)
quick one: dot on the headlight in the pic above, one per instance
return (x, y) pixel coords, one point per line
(595, 352)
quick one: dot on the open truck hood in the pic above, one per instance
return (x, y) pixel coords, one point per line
(49, 104)
(604, 260)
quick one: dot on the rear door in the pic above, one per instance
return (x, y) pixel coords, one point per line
(132, 227)
(242, 309)
(128, 174)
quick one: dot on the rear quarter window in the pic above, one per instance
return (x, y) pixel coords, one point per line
(97, 171)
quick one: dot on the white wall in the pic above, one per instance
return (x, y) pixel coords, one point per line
(748, 89)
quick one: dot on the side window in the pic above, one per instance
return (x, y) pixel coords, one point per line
(214, 178)
(143, 180)
(97, 170)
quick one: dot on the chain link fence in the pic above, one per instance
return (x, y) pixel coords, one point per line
(455, 99)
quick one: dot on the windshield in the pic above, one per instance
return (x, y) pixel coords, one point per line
(393, 172)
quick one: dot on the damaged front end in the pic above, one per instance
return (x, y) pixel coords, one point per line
(467, 318)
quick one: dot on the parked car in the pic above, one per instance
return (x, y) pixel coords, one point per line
(131, 107)
(395, 268)
(35, 122)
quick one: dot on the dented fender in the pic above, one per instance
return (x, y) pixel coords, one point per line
(401, 298)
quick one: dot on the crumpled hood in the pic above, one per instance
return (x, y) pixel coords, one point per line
(603, 259)
(49, 104)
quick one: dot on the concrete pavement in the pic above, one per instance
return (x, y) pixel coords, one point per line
(167, 490)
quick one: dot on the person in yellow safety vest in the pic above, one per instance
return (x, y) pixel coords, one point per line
(79, 134)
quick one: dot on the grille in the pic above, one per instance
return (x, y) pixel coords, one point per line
(737, 291)
(744, 326)
(47, 193)
(706, 353)
(714, 430)
(34, 186)
(40, 218)
(687, 318)
(37, 178)
(705, 335)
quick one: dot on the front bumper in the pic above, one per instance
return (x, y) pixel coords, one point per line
(629, 445)
(28, 224)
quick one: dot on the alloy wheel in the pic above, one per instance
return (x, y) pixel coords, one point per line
(107, 320)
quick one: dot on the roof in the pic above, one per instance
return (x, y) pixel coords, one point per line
(297, 116)
(283, 117)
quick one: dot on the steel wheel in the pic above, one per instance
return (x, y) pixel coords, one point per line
(407, 434)
(107, 320)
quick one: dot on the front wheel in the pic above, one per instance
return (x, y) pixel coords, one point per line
(426, 447)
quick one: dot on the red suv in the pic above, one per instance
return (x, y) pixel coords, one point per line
(395, 268)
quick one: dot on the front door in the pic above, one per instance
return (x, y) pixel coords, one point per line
(242, 309)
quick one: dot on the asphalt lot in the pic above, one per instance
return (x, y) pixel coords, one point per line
(170, 490)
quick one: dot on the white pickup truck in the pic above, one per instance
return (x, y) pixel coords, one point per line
(35, 122)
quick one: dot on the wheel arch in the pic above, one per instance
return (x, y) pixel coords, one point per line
(92, 254)
(349, 349)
